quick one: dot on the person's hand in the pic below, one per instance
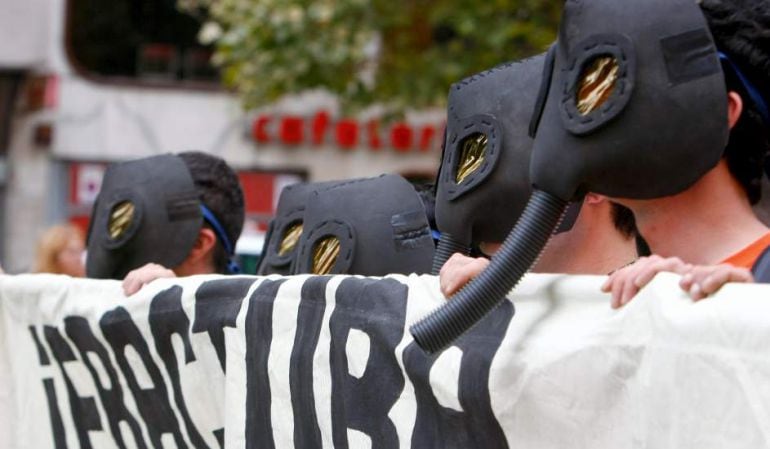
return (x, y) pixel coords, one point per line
(136, 279)
(703, 280)
(626, 282)
(458, 271)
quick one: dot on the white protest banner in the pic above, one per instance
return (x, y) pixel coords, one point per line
(328, 362)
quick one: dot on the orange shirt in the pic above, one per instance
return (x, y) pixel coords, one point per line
(747, 257)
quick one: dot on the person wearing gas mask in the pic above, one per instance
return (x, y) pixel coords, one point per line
(709, 233)
(484, 184)
(286, 228)
(366, 226)
(636, 105)
(165, 216)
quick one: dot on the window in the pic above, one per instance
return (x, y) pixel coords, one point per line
(145, 40)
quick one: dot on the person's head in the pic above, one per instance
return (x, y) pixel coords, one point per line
(183, 212)
(60, 251)
(741, 31)
(367, 226)
(483, 183)
(488, 150)
(286, 228)
(221, 193)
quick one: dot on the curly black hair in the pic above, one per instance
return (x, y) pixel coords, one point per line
(741, 30)
(221, 192)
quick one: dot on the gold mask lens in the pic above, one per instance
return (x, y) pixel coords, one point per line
(290, 239)
(597, 81)
(121, 217)
(472, 153)
(325, 255)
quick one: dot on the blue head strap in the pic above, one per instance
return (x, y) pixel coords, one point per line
(211, 219)
(756, 97)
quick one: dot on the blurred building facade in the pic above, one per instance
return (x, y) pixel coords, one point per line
(85, 82)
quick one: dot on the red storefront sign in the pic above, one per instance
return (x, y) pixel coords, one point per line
(347, 134)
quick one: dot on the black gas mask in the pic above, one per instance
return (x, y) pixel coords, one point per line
(148, 210)
(286, 228)
(632, 105)
(483, 184)
(370, 227)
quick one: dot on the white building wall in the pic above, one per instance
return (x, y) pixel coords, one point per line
(25, 32)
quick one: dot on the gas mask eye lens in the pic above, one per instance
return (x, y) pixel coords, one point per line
(121, 217)
(325, 255)
(290, 239)
(596, 83)
(472, 154)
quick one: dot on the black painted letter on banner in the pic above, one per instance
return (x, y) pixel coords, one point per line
(57, 425)
(377, 308)
(476, 425)
(259, 336)
(153, 403)
(217, 304)
(84, 411)
(79, 331)
(307, 434)
(167, 317)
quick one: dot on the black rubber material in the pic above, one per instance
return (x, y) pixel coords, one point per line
(447, 246)
(519, 252)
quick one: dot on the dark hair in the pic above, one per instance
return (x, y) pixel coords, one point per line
(427, 193)
(221, 192)
(741, 30)
(624, 221)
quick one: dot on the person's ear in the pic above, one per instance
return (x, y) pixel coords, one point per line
(734, 108)
(200, 259)
(594, 198)
(204, 245)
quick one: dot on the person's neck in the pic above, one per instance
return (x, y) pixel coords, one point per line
(705, 224)
(592, 246)
(193, 267)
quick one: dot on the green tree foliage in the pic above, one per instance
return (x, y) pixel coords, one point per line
(400, 53)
